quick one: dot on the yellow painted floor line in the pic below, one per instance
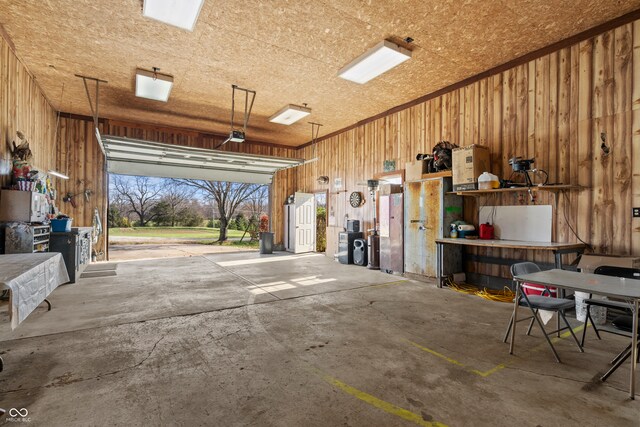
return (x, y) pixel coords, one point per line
(500, 366)
(387, 407)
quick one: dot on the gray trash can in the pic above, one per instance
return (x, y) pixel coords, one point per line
(266, 243)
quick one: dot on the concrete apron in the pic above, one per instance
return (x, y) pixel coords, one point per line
(241, 339)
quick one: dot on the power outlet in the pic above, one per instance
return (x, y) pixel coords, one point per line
(636, 213)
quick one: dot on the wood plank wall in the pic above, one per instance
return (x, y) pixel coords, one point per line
(80, 157)
(553, 108)
(23, 107)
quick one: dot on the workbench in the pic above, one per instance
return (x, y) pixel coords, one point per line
(558, 249)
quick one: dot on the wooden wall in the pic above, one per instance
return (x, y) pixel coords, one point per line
(24, 108)
(554, 108)
(79, 156)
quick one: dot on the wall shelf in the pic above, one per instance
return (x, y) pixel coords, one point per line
(553, 188)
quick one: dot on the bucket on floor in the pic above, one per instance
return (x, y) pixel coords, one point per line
(598, 314)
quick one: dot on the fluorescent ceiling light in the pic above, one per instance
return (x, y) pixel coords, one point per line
(290, 114)
(380, 59)
(153, 85)
(179, 13)
(58, 174)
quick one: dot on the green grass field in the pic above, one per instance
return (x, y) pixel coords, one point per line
(174, 232)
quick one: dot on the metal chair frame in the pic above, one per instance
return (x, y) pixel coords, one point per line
(534, 310)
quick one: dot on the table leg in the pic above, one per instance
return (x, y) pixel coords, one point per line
(634, 350)
(560, 292)
(516, 304)
(439, 263)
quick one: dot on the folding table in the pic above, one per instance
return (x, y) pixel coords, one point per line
(615, 287)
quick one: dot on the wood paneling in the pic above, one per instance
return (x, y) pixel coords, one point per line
(23, 108)
(553, 108)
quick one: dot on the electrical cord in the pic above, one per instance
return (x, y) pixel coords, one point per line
(566, 219)
(505, 295)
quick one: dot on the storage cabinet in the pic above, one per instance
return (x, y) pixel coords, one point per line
(428, 212)
(21, 238)
(75, 247)
(391, 233)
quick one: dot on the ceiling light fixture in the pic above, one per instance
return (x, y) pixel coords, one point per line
(153, 85)
(377, 60)
(179, 13)
(290, 114)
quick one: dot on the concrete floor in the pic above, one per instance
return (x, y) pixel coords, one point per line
(129, 252)
(282, 340)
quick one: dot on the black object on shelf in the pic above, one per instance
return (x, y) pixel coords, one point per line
(353, 225)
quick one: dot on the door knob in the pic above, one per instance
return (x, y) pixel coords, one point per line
(422, 227)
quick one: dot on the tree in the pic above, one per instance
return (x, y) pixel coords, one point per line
(162, 215)
(139, 194)
(190, 215)
(258, 203)
(228, 196)
(114, 219)
(176, 197)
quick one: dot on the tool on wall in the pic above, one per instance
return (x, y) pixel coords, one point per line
(71, 197)
(94, 111)
(237, 135)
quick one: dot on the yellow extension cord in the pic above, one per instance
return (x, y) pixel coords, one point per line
(505, 295)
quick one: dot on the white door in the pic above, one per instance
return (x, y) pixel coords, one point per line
(305, 223)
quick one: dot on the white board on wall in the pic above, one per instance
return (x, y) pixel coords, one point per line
(525, 223)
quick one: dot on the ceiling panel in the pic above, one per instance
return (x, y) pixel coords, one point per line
(289, 52)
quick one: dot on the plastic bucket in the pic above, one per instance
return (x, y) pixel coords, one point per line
(61, 225)
(598, 314)
(531, 289)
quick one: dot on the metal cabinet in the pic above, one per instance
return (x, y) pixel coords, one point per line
(428, 212)
(391, 232)
(75, 247)
(23, 238)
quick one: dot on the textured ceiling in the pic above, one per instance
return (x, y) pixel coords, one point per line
(289, 52)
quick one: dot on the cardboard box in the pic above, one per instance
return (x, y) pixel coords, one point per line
(588, 263)
(413, 170)
(468, 164)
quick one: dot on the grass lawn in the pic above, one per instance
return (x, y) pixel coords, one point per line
(174, 232)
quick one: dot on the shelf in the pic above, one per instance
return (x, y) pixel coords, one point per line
(442, 174)
(553, 188)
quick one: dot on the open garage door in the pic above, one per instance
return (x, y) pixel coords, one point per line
(127, 156)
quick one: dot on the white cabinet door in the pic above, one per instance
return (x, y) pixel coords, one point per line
(305, 223)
